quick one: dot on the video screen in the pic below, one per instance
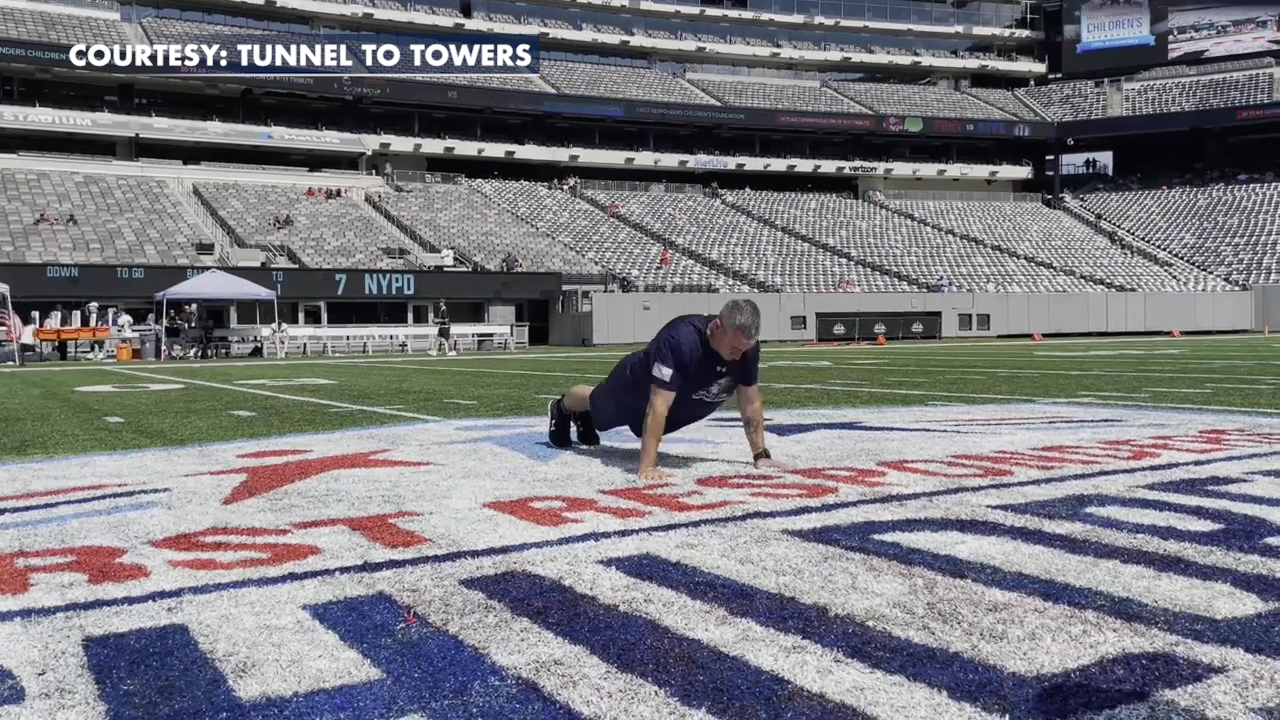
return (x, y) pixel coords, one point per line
(1128, 35)
(1211, 31)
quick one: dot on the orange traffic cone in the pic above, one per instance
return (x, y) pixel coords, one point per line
(881, 341)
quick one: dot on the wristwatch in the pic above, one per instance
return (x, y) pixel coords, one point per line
(762, 455)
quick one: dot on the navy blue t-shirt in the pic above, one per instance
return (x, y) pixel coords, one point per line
(680, 358)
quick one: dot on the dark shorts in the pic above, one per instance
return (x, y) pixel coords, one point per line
(611, 408)
(443, 332)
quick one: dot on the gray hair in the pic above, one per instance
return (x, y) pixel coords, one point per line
(742, 315)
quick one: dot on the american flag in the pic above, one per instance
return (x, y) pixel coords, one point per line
(11, 323)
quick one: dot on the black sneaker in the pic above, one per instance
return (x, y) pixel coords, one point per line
(587, 434)
(558, 425)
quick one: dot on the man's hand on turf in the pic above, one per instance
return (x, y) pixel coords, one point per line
(655, 475)
(774, 464)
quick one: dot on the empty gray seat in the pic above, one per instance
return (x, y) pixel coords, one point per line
(458, 217)
(122, 220)
(336, 233)
(1232, 231)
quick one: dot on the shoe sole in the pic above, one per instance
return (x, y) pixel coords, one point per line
(551, 415)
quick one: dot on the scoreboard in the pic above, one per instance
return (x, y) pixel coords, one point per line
(136, 282)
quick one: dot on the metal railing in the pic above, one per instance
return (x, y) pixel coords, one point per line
(633, 186)
(959, 196)
(427, 178)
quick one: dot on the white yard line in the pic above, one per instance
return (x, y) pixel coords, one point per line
(1017, 371)
(1177, 406)
(892, 353)
(1178, 390)
(1115, 394)
(1163, 360)
(379, 407)
(282, 396)
(1243, 387)
(269, 364)
(242, 413)
(114, 419)
(886, 391)
(461, 402)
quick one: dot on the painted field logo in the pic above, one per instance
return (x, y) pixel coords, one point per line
(1015, 561)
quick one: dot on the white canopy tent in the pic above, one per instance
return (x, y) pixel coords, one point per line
(215, 285)
(10, 324)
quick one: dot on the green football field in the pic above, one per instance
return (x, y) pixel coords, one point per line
(78, 407)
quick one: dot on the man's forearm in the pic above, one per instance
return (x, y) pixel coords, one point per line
(655, 423)
(753, 424)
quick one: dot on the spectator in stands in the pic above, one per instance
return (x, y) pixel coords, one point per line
(328, 193)
(311, 192)
(43, 219)
(288, 220)
(275, 223)
(337, 192)
(664, 259)
(614, 207)
(71, 219)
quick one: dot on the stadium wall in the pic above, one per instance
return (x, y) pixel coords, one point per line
(620, 318)
(1266, 313)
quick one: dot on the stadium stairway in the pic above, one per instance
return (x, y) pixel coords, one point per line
(276, 255)
(184, 191)
(751, 281)
(373, 204)
(825, 247)
(1175, 267)
(1089, 277)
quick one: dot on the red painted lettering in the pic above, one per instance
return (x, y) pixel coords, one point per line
(375, 528)
(1160, 447)
(533, 510)
(763, 487)
(647, 495)
(861, 477)
(1101, 452)
(961, 469)
(1263, 439)
(272, 554)
(99, 564)
(1010, 458)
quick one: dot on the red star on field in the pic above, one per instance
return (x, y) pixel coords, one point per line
(262, 479)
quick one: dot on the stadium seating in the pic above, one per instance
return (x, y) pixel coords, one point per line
(1199, 93)
(59, 28)
(1005, 101)
(121, 220)
(709, 226)
(779, 94)
(889, 98)
(616, 81)
(458, 217)
(1230, 230)
(334, 233)
(604, 240)
(900, 244)
(1053, 237)
(1067, 101)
